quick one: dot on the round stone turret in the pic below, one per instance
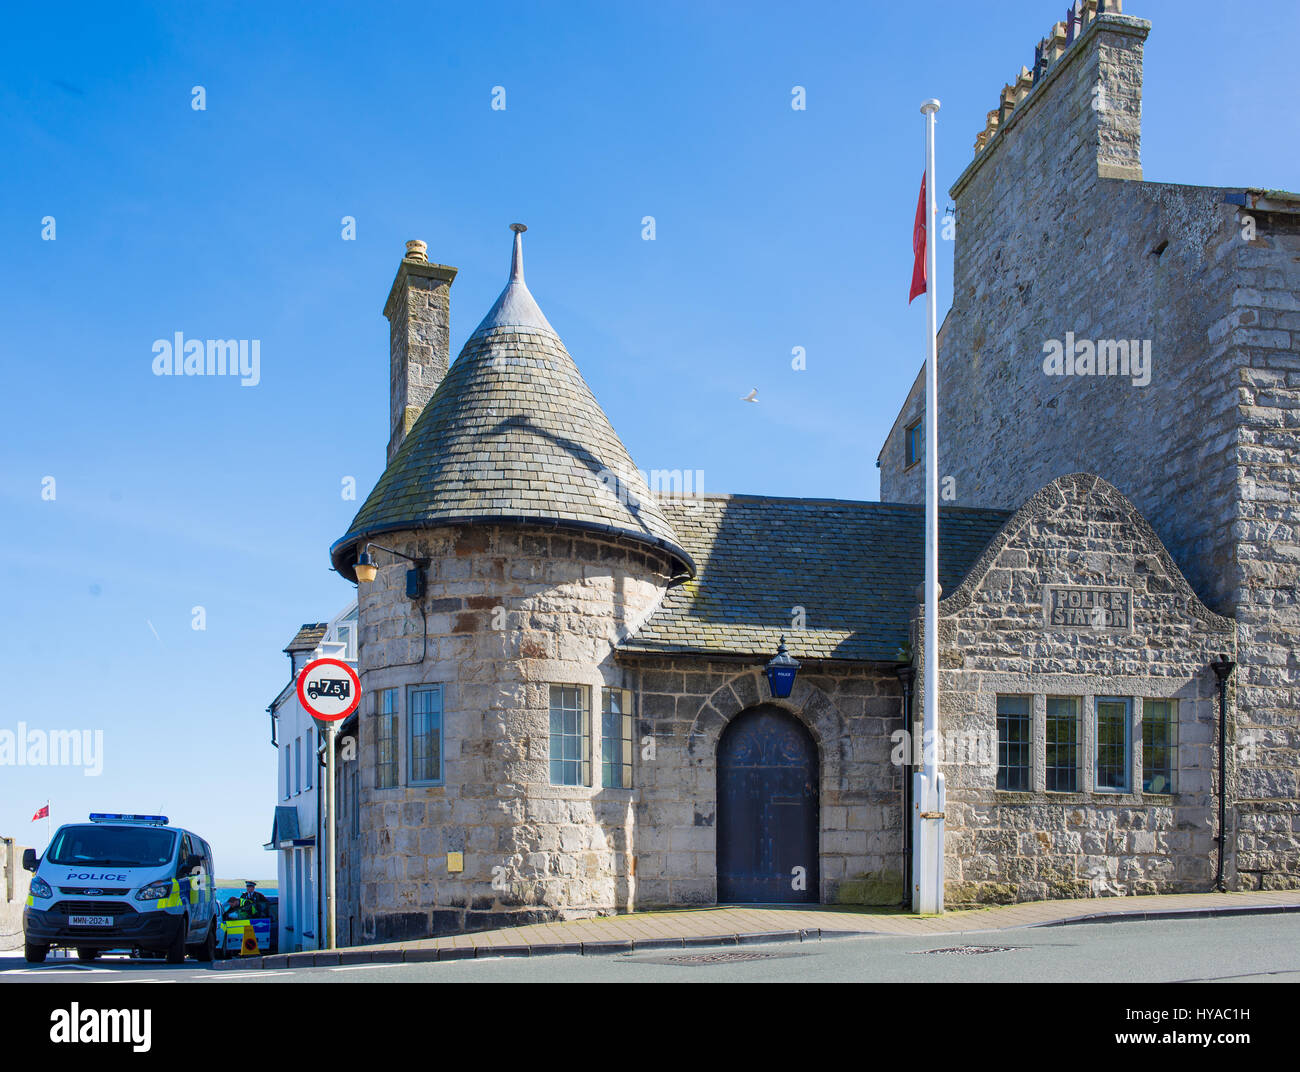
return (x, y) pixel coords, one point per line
(538, 548)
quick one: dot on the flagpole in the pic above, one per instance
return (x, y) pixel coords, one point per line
(929, 799)
(48, 836)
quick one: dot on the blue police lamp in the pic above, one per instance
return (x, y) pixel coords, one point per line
(781, 671)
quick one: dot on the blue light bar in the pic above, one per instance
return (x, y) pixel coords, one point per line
(113, 817)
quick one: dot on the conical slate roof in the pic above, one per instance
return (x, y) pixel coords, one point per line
(512, 435)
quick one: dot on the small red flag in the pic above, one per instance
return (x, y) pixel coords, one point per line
(44, 813)
(918, 247)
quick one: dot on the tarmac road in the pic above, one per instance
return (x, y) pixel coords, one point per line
(1256, 948)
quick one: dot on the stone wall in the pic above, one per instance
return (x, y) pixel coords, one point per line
(1261, 337)
(511, 610)
(14, 882)
(1056, 234)
(995, 640)
(851, 712)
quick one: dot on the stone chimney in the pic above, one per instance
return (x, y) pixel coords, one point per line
(419, 331)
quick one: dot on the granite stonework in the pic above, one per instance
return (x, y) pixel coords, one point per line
(1107, 537)
(853, 715)
(534, 851)
(509, 610)
(994, 640)
(419, 315)
(1057, 233)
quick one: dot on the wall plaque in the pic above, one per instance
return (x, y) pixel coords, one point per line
(1102, 609)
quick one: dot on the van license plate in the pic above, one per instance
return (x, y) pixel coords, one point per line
(90, 921)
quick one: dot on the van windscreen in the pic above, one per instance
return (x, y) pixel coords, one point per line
(113, 846)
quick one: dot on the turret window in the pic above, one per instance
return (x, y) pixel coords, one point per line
(424, 715)
(570, 735)
(386, 739)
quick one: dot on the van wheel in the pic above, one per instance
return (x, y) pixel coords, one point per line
(35, 954)
(87, 954)
(176, 951)
(206, 950)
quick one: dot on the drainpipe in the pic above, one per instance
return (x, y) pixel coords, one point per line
(906, 675)
(1223, 668)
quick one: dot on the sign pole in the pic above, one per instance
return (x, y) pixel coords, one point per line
(329, 698)
(333, 835)
(928, 799)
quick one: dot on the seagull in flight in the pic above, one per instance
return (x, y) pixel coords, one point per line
(752, 396)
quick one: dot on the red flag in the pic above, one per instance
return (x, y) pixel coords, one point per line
(44, 813)
(918, 247)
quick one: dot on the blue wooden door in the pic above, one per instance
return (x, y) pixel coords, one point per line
(767, 810)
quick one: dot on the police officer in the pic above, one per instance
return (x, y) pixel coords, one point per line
(252, 901)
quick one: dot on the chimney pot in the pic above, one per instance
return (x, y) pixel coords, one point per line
(417, 250)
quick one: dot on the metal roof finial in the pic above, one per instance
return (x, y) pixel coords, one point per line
(517, 258)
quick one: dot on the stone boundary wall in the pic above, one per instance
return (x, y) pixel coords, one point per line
(13, 893)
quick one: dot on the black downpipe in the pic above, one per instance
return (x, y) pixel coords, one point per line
(1223, 668)
(906, 675)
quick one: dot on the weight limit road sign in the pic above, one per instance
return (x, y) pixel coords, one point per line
(329, 689)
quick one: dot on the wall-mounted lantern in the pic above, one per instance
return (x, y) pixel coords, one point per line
(781, 671)
(367, 570)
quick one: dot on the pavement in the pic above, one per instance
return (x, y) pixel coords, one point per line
(683, 928)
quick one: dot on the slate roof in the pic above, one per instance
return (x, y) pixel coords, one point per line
(307, 637)
(513, 434)
(853, 566)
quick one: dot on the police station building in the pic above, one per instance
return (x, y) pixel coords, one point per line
(565, 706)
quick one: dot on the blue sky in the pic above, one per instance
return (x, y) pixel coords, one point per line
(775, 228)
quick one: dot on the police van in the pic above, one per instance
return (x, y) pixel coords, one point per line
(122, 882)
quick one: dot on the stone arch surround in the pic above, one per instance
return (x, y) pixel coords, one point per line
(808, 703)
(859, 810)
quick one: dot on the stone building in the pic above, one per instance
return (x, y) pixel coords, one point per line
(564, 707)
(1063, 248)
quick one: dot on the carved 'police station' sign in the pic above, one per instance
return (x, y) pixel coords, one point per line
(1071, 607)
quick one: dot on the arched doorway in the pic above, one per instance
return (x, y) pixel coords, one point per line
(767, 809)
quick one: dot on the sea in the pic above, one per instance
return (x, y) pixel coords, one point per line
(266, 889)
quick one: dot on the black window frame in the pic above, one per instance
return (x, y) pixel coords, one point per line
(1021, 746)
(1057, 770)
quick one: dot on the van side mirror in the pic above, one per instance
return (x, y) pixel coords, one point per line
(29, 859)
(190, 862)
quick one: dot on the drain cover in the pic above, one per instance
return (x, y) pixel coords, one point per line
(718, 958)
(967, 950)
